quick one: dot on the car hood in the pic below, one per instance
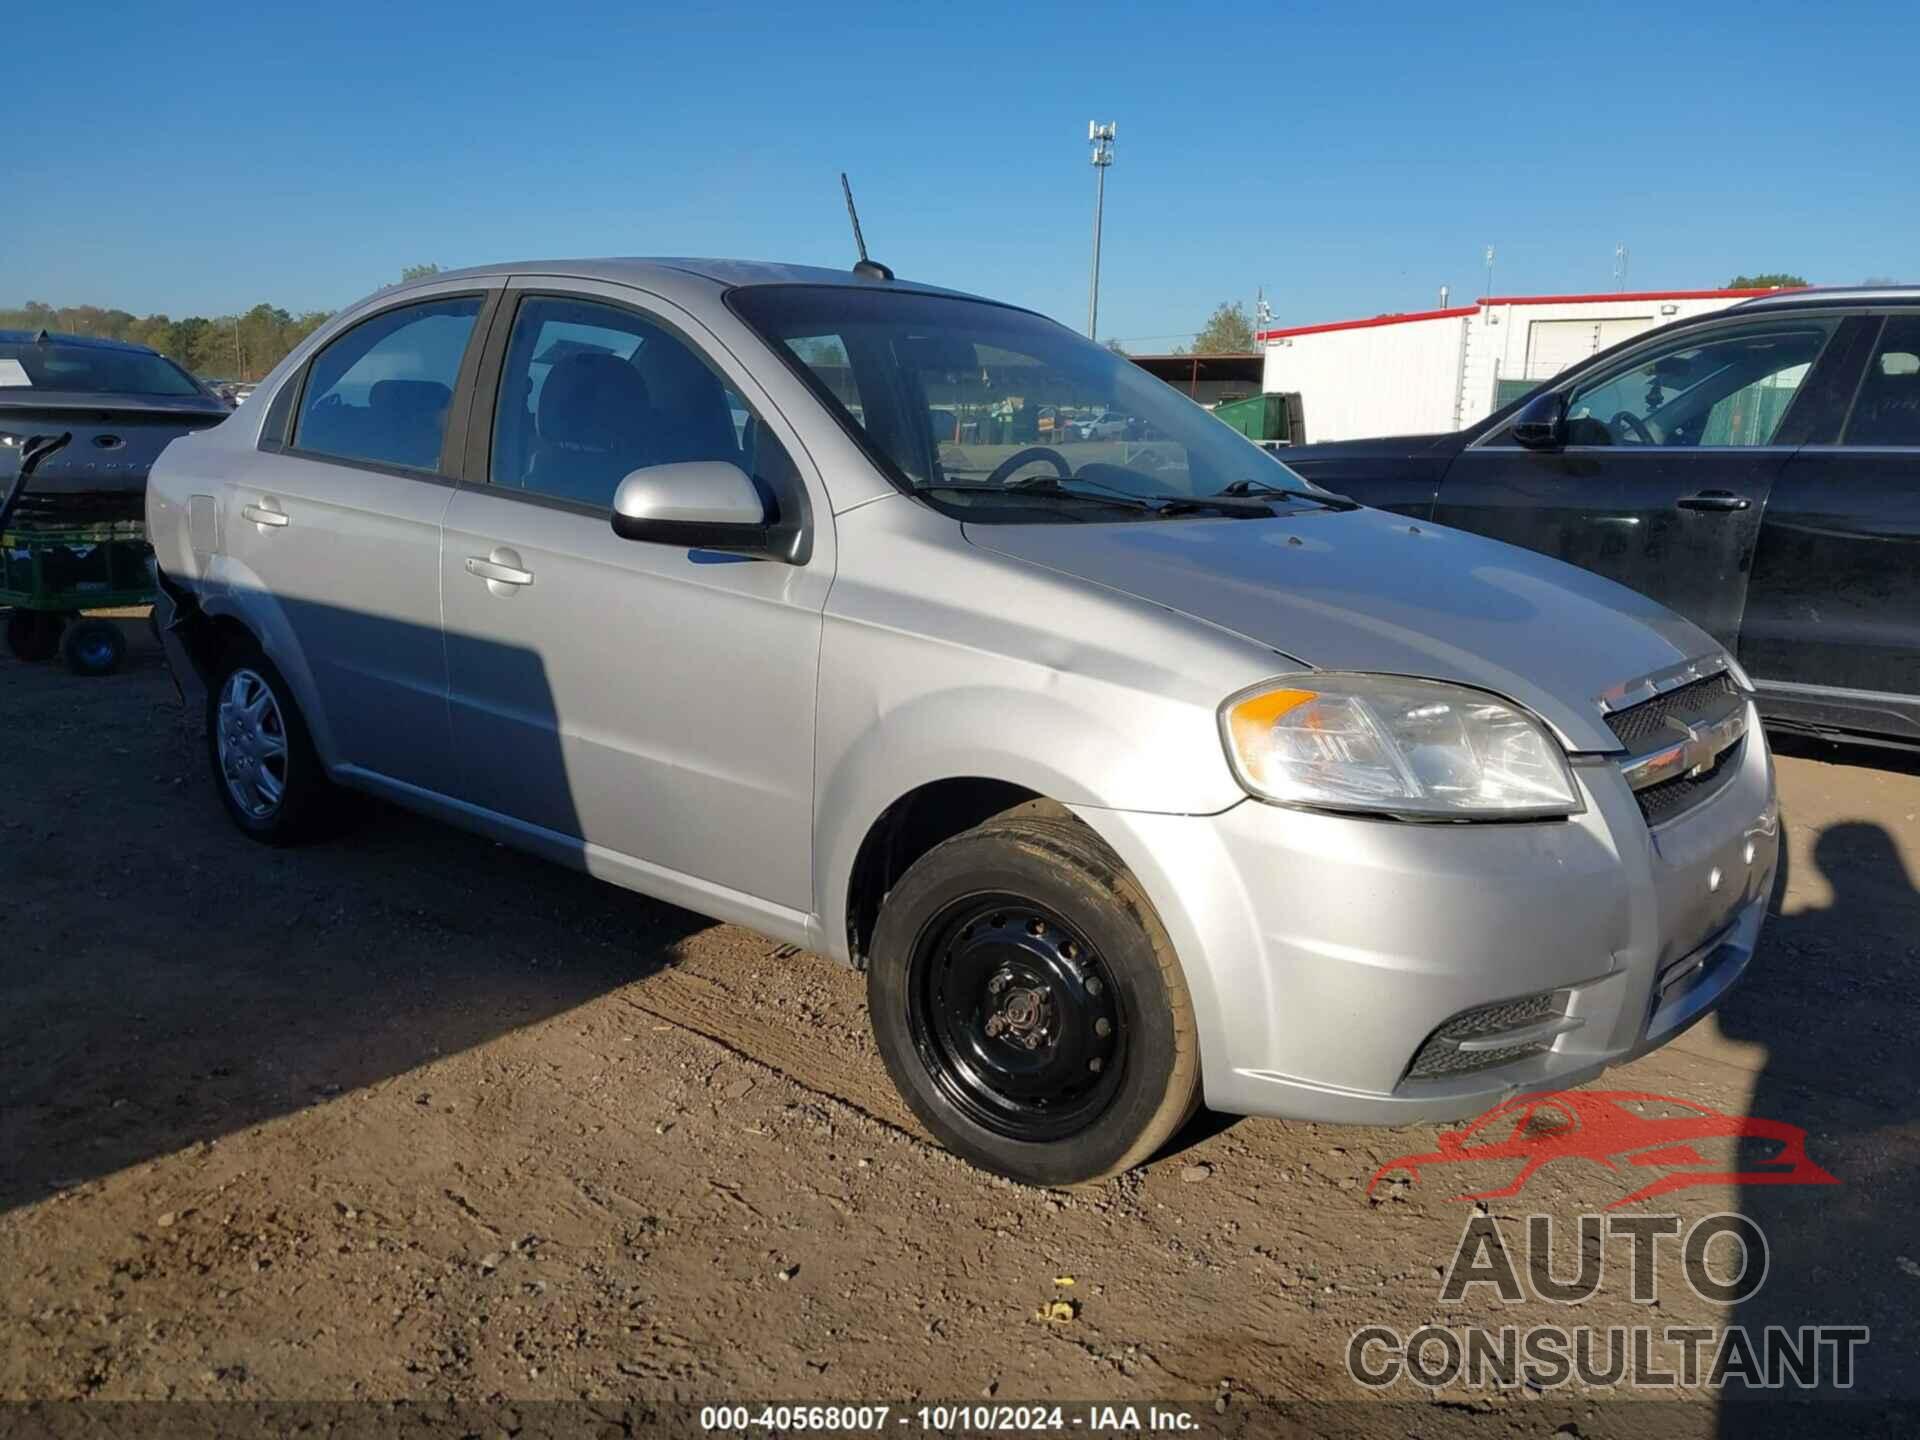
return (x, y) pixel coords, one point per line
(1366, 590)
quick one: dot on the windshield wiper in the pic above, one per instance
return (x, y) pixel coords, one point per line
(1320, 497)
(1249, 508)
(1050, 492)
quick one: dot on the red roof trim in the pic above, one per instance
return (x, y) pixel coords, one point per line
(1458, 310)
(1628, 296)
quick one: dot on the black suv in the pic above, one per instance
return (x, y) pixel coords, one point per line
(1757, 469)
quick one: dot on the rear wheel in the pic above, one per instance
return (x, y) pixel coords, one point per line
(93, 647)
(264, 764)
(1029, 1005)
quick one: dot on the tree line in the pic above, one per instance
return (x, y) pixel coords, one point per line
(227, 347)
(244, 346)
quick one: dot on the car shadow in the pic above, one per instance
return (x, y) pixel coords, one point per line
(168, 982)
(1833, 995)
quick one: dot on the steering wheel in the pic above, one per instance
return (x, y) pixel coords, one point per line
(1628, 421)
(1023, 457)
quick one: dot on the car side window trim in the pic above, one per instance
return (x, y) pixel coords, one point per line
(278, 425)
(1820, 411)
(444, 471)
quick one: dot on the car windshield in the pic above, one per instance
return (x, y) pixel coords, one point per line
(1004, 415)
(90, 370)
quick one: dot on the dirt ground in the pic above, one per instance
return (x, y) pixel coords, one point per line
(409, 1116)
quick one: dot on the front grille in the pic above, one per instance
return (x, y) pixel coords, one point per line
(1644, 726)
(1673, 797)
(1658, 722)
(1441, 1057)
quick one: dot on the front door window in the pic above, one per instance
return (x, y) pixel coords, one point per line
(1726, 389)
(591, 392)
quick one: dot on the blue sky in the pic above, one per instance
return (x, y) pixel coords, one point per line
(1351, 158)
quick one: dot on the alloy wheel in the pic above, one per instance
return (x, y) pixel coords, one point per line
(251, 735)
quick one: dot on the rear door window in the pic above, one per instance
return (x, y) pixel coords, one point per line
(380, 393)
(1887, 410)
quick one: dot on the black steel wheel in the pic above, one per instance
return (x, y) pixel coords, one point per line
(1016, 1017)
(1028, 1003)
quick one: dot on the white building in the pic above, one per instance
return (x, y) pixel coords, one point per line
(1444, 369)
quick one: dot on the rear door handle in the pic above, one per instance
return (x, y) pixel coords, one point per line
(264, 515)
(1721, 500)
(497, 573)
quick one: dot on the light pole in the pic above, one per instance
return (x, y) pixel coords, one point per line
(1100, 137)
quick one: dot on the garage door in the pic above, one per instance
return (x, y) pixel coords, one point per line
(1553, 345)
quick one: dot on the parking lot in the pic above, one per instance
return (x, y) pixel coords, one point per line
(409, 1115)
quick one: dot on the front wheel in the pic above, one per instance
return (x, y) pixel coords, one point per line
(1029, 1005)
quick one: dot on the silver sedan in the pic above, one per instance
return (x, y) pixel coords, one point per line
(1135, 771)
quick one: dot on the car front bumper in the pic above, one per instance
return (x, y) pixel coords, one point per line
(1324, 952)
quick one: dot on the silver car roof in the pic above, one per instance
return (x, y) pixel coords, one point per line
(679, 275)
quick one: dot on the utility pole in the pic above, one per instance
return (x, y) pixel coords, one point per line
(1620, 266)
(1100, 137)
(239, 364)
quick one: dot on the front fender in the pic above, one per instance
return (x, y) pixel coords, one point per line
(1039, 741)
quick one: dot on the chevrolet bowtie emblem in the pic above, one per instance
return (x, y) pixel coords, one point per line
(1703, 743)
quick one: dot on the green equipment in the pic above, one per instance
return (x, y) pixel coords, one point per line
(55, 564)
(1273, 419)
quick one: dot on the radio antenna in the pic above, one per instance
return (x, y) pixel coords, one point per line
(871, 269)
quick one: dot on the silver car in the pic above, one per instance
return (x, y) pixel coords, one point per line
(1134, 774)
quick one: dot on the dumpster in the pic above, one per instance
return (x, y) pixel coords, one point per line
(1272, 419)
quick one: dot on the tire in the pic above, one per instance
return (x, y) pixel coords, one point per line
(34, 635)
(270, 750)
(93, 647)
(995, 960)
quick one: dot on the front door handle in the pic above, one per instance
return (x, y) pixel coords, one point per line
(265, 515)
(501, 570)
(1719, 500)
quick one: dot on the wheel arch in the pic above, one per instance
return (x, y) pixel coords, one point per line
(907, 828)
(209, 625)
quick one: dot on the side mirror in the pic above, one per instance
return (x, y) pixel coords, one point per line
(1541, 423)
(702, 504)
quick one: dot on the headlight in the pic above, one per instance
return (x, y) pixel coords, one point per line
(1384, 745)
